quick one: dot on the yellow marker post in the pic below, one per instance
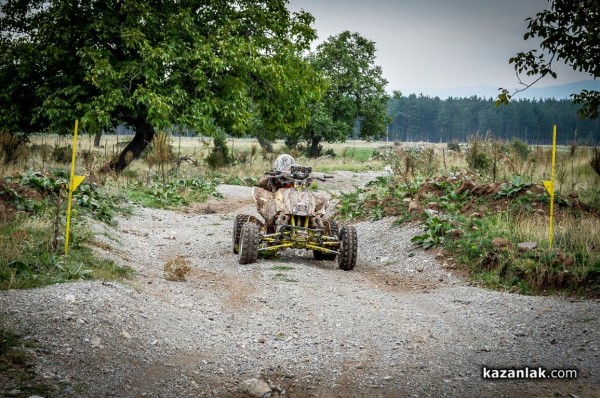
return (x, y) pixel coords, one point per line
(74, 182)
(549, 185)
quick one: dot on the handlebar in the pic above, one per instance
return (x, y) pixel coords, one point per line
(290, 176)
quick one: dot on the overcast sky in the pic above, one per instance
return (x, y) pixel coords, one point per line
(437, 44)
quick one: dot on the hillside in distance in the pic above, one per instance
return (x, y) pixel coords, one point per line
(558, 91)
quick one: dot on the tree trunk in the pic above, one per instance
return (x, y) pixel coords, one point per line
(314, 151)
(264, 144)
(144, 133)
(97, 138)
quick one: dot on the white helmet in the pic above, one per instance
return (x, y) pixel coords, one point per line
(283, 163)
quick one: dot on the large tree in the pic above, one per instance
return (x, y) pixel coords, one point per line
(569, 33)
(355, 96)
(208, 65)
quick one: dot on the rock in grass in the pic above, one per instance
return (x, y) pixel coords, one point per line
(527, 246)
(413, 207)
(500, 242)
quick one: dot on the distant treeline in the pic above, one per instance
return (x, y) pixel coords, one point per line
(422, 118)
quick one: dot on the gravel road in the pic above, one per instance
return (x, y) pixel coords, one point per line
(404, 323)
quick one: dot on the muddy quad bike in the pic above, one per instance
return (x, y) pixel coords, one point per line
(293, 219)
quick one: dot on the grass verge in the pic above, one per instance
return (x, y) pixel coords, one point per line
(32, 209)
(498, 231)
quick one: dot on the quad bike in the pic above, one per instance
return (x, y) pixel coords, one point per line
(293, 218)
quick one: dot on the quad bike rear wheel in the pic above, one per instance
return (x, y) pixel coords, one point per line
(332, 229)
(348, 248)
(238, 223)
(249, 239)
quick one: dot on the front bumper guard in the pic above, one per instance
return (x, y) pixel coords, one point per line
(294, 237)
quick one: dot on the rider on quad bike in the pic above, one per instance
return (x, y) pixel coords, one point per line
(293, 217)
(286, 174)
(273, 181)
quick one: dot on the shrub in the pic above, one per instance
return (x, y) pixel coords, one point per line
(44, 151)
(291, 141)
(428, 162)
(520, 148)
(477, 155)
(161, 153)
(219, 155)
(329, 152)
(12, 146)
(62, 154)
(595, 161)
(242, 157)
(454, 146)
(313, 151)
(572, 148)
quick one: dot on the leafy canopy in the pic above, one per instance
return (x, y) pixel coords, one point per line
(570, 32)
(356, 91)
(207, 65)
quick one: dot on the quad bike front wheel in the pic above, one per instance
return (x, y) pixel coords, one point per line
(348, 248)
(249, 239)
(238, 223)
(332, 229)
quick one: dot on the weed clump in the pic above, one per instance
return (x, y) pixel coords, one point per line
(176, 269)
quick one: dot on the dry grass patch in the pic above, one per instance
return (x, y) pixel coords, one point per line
(570, 232)
(176, 269)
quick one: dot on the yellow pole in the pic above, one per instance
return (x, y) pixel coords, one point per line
(71, 188)
(552, 190)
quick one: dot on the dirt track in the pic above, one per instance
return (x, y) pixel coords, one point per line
(401, 324)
